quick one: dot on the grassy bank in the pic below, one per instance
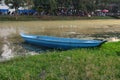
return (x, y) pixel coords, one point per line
(101, 63)
(37, 18)
(117, 17)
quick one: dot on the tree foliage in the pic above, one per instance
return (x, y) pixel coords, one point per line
(51, 5)
(17, 3)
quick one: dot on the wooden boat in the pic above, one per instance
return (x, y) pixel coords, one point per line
(59, 42)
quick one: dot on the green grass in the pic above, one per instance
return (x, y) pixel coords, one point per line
(37, 18)
(102, 63)
(117, 17)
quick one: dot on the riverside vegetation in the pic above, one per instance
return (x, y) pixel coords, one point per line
(80, 64)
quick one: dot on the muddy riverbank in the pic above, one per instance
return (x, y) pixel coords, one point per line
(11, 44)
(15, 45)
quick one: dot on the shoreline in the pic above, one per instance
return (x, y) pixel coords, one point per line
(85, 29)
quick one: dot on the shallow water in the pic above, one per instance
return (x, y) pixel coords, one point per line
(11, 44)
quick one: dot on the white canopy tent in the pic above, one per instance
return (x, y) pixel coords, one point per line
(4, 9)
(3, 6)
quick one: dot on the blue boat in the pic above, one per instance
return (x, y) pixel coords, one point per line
(59, 42)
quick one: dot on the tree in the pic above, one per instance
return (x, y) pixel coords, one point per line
(29, 3)
(53, 6)
(41, 5)
(16, 3)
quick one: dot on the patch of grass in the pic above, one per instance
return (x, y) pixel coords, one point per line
(37, 18)
(102, 17)
(117, 17)
(19, 18)
(79, 64)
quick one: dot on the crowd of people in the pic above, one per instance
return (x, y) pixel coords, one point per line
(57, 12)
(72, 12)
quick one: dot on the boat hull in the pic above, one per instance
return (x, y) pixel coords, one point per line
(60, 43)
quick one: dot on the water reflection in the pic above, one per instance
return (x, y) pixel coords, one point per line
(34, 48)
